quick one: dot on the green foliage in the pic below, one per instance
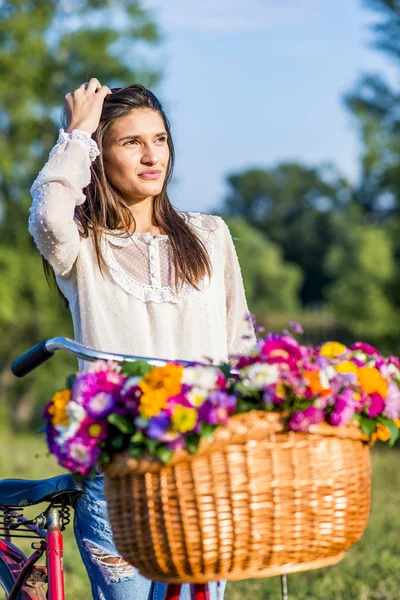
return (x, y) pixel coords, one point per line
(270, 282)
(138, 368)
(48, 49)
(296, 207)
(363, 267)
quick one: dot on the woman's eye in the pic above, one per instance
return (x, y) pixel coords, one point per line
(162, 139)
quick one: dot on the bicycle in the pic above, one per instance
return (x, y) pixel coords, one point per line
(20, 576)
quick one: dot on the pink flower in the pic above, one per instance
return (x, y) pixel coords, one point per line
(344, 408)
(366, 348)
(303, 419)
(376, 405)
(281, 349)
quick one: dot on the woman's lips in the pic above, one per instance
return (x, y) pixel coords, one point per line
(150, 174)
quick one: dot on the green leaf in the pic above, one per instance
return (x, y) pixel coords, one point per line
(393, 429)
(192, 443)
(69, 382)
(124, 424)
(226, 370)
(367, 425)
(207, 430)
(137, 451)
(136, 369)
(164, 454)
(137, 437)
(118, 442)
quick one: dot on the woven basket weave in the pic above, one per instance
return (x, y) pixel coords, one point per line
(255, 501)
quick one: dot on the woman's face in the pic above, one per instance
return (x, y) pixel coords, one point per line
(136, 155)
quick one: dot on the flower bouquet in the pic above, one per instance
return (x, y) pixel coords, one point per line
(251, 469)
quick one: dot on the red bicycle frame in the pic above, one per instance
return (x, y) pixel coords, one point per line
(28, 578)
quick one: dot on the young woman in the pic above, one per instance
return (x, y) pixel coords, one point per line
(139, 277)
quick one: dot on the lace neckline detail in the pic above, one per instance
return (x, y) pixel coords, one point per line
(142, 264)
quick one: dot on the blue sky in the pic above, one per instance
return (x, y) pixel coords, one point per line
(255, 82)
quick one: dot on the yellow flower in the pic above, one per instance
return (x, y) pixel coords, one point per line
(58, 406)
(372, 381)
(280, 390)
(157, 386)
(152, 402)
(332, 349)
(184, 418)
(346, 367)
(95, 430)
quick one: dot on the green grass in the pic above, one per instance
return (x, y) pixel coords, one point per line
(369, 571)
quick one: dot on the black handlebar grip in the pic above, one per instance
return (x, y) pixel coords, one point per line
(31, 359)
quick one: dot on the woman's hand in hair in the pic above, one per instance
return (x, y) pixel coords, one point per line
(84, 105)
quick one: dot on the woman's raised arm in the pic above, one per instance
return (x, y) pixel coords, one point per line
(58, 189)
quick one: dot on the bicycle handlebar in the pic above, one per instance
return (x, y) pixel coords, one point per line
(45, 349)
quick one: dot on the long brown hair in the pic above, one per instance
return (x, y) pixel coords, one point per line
(104, 208)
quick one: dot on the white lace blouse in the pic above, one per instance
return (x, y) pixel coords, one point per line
(132, 306)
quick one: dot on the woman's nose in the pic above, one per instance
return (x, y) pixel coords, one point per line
(149, 156)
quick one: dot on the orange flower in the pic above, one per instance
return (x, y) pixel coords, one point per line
(314, 383)
(372, 381)
(382, 433)
(157, 386)
(58, 406)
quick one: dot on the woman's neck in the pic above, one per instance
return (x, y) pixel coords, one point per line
(142, 212)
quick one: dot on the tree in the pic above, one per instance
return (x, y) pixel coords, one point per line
(270, 283)
(48, 48)
(363, 267)
(295, 207)
(375, 102)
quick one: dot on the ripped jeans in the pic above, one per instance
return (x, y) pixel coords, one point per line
(110, 576)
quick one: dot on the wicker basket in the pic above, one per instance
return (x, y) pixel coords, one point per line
(255, 501)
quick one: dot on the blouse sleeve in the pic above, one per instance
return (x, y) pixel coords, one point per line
(241, 335)
(55, 193)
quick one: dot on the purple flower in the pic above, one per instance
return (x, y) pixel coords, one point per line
(303, 419)
(100, 405)
(344, 408)
(176, 444)
(297, 328)
(392, 402)
(217, 408)
(128, 400)
(158, 426)
(78, 454)
(91, 383)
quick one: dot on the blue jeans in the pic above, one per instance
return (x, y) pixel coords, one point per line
(114, 580)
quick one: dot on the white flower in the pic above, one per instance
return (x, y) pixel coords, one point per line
(66, 431)
(391, 369)
(325, 375)
(75, 412)
(201, 377)
(258, 376)
(197, 395)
